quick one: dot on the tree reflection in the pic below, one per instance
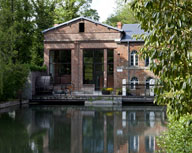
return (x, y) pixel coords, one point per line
(13, 136)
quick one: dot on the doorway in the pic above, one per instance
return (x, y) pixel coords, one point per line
(93, 67)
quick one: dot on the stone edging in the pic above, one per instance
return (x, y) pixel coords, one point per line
(12, 103)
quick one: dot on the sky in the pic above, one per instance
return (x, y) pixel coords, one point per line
(104, 7)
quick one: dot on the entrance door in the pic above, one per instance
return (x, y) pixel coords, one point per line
(98, 69)
(98, 77)
(93, 67)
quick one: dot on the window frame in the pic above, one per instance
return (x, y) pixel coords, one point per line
(81, 27)
(134, 83)
(134, 58)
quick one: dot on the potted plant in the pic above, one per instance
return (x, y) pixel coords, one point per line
(107, 91)
(119, 91)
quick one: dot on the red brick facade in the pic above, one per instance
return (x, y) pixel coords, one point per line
(95, 36)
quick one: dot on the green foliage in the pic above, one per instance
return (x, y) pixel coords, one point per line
(43, 19)
(33, 67)
(14, 78)
(178, 138)
(14, 137)
(169, 45)
(119, 91)
(90, 13)
(16, 29)
(123, 14)
(69, 9)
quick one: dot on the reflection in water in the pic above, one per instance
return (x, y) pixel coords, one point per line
(64, 129)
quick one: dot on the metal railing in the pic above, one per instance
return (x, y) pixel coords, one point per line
(46, 87)
(140, 90)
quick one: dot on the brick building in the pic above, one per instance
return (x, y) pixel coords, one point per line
(91, 55)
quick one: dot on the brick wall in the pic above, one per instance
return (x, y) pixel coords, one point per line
(95, 37)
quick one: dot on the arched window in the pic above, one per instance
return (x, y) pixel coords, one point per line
(148, 82)
(134, 82)
(134, 58)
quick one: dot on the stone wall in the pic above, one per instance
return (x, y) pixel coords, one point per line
(29, 89)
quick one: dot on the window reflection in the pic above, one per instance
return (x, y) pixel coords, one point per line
(150, 118)
(150, 144)
(93, 135)
(134, 143)
(132, 118)
(124, 119)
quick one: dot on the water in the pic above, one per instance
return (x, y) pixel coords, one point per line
(70, 129)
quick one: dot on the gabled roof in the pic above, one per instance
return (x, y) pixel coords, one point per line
(130, 30)
(81, 18)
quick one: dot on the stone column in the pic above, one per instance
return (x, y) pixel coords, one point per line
(74, 63)
(80, 69)
(105, 68)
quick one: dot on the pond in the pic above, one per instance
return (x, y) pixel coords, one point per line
(78, 129)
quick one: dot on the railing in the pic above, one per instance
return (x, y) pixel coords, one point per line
(140, 90)
(46, 88)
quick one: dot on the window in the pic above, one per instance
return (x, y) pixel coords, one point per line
(81, 27)
(93, 66)
(147, 61)
(134, 143)
(110, 68)
(60, 62)
(134, 83)
(88, 67)
(150, 144)
(147, 83)
(134, 58)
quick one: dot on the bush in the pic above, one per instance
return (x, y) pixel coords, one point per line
(14, 79)
(119, 91)
(107, 91)
(178, 138)
(34, 67)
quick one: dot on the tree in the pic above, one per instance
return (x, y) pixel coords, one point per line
(43, 19)
(69, 9)
(15, 45)
(123, 14)
(16, 30)
(169, 44)
(24, 28)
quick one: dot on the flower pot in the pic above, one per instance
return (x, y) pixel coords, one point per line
(105, 92)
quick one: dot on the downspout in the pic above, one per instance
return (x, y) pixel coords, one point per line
(128, 61)
(78, 63)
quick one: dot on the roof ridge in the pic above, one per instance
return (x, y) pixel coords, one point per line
(78, 18)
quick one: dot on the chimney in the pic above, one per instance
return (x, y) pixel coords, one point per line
(119, 25)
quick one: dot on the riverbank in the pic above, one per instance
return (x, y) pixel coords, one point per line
(12, 103)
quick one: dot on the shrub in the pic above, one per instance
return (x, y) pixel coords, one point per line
(178, 138)
(34, 67)
(14, 79)
(119, 91)
(109, 89)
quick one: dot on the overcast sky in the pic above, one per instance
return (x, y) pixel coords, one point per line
(104, 8)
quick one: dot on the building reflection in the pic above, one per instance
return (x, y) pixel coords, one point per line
(72, 130)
